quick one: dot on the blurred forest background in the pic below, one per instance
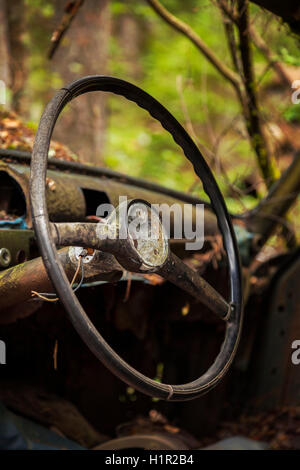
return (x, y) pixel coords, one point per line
(224, 69)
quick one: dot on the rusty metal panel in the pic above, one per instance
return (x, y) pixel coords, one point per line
(277, 381)
(18, 243)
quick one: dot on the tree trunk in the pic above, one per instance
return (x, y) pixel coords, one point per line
(5, 73)
(17, 51)
(129, 37)
(83, 51)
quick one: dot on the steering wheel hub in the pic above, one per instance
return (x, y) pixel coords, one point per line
(146, 234)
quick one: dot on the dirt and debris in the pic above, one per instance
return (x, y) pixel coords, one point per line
(156, 423)
(279, 428)
(16, 135)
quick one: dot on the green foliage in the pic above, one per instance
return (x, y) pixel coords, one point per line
(32, 125)
(41, 79)
(292, 113)
(179, 76)
(288, 58)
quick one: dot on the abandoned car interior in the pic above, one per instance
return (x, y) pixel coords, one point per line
(115, 338)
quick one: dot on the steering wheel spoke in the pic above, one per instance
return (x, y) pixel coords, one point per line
(172, 268)
(76, 234)
(180, 274)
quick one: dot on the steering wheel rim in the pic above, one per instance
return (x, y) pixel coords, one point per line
(78, 317)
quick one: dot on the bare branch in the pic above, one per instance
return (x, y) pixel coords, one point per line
(229, 19)
(258, 41)
(271, 58)
(187, 31)
(266, 162)
(229, 12)
(70, 12)
(245, 86)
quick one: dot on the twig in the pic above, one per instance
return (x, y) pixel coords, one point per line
(258, 42)
(189, 124)
(187, 31)
(70, 12)
(55, 355)
(128, 287)
(271, 58)
(213, 155)
(227, 10)
(188, 121)
(229, 19)
(245, 92)
(266, 162)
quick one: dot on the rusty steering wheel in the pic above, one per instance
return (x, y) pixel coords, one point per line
(49, 235)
